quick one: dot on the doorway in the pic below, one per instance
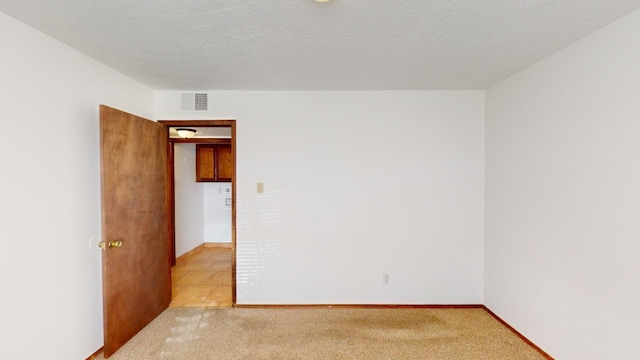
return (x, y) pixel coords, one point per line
(207, 139)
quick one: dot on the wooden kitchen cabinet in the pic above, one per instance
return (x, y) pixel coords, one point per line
(214, 162)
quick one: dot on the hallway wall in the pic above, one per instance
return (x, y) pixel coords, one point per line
(217, 212)
(189, 200)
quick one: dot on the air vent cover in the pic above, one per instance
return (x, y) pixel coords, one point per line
(195, 102)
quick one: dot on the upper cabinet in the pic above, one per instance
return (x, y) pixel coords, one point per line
(214, 162)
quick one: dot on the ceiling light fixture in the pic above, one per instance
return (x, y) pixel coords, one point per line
(322, 1)
(186, 133)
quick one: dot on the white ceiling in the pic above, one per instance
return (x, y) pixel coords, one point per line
(301, 44)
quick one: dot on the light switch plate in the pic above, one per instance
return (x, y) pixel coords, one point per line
(260, 188)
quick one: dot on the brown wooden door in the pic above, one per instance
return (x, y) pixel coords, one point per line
(135, 276)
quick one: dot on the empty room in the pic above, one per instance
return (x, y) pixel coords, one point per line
(402, 179)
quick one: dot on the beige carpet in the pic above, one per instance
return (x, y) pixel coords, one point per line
(325, 333)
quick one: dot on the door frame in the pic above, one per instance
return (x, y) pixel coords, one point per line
(171, 187)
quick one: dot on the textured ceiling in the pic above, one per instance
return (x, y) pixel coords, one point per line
(301, 44)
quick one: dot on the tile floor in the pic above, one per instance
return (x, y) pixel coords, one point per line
(202, 278)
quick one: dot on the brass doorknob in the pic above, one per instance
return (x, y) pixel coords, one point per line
(115, 243)
(112, 244)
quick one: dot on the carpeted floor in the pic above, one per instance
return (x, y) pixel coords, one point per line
(326, 334)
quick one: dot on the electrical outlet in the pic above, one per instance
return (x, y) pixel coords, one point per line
(385, 278)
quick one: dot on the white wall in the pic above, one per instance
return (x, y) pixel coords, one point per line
(356, 184)
(563, 198)
(50, 287)
(217, 214)
(189, 200)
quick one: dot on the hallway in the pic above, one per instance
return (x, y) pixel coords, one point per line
(202, 278)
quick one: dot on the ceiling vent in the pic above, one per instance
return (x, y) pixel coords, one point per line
(195, 102)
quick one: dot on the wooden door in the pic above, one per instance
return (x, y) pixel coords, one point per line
(136, 275)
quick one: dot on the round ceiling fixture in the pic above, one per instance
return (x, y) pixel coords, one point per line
(186, 133)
